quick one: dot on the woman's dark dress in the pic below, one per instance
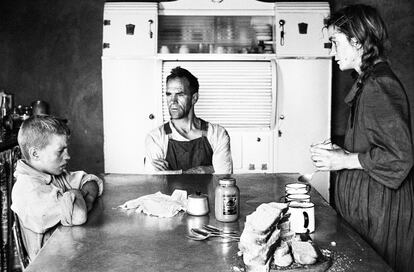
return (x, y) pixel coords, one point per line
(378, 201)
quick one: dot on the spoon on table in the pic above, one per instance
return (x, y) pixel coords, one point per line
(214, 229)
(202, 238)
(199, 235)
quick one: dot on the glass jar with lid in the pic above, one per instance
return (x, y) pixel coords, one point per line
(227, 200)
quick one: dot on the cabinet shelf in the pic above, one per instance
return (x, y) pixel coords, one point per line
(216, 56)
(215, 34)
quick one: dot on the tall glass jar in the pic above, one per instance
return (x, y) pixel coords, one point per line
(227, 201)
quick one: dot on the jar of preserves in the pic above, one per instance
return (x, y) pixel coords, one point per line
(227, 201)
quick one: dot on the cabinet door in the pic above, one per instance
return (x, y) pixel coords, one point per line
(252, 151)
(130, 29)
(257, 152)
(129, 104)
(304, 110)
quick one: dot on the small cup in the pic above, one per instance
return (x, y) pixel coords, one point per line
(164, 50)
(220, 50)
(184, 49)
(296, 191)
(300, 188)
(197, 204)
(302, 217)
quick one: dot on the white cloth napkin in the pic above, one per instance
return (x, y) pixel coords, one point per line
(159, 204)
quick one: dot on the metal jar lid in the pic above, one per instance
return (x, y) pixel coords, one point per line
(227, 181)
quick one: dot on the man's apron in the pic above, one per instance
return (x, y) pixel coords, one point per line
(183, 155)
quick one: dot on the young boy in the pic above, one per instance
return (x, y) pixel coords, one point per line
(45, 193)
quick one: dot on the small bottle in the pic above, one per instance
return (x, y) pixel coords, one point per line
(4, 114)
(227, 202)
(4, 108)
(15, 116)
(200, 48)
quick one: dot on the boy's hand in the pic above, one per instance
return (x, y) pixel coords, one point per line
(89, 200)
(89, 192)
(79, 213)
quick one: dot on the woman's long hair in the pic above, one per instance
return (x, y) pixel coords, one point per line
(363, 23)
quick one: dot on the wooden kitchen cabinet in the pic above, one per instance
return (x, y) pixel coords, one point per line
(273, 103)
(129, 83)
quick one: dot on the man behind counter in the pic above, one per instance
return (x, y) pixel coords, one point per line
(187, 144)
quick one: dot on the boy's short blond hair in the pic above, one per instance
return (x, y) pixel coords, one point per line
(36, 130)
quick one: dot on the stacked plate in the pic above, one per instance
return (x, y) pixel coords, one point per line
(263, 32)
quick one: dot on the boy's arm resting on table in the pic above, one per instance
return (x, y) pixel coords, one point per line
(89, 178)
(90, 191)
(89, 185)
(73, 207)
(42, 207)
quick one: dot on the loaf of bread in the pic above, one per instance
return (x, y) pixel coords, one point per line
(304, 252)
(282, 249)
(265, 216)
(250, 236)
(260, 234)
(282, 256)
(259, 254)
(284, 260)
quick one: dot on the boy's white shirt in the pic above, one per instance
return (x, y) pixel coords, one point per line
(41, 201)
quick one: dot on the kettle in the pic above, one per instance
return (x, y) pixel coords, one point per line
(40, 107)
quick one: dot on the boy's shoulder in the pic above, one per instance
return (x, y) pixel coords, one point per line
(25, 173)
(27, 186)
(29, 182)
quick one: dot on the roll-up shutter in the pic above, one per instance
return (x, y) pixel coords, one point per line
(235, 94)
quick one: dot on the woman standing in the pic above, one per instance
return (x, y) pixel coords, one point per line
(374, 186)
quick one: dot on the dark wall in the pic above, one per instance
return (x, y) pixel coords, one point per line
(399, 18)
(50, 50)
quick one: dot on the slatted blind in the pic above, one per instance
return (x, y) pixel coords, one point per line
(235, 94)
